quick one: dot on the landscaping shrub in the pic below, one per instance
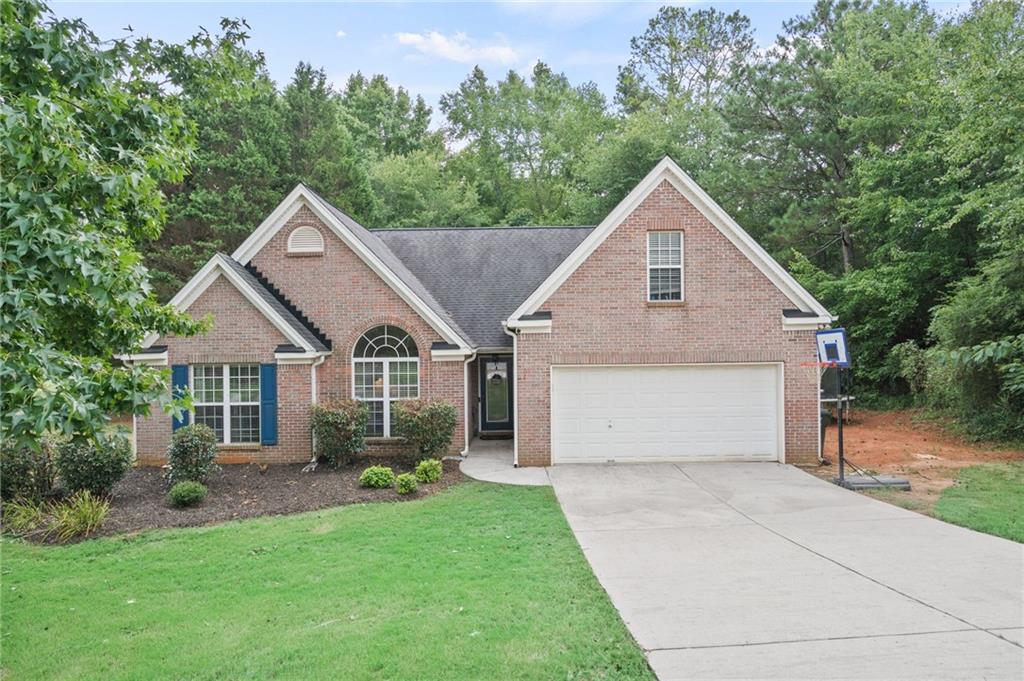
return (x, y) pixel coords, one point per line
(80, 515)
(377, 477)
(427, 426)
(95, 464)
(429, 470)
(23, 516)
(406, 483)
(339, 430)
(186, 493)
(26, 473)
(191, 454)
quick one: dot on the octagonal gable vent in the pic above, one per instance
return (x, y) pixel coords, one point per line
(305, 239)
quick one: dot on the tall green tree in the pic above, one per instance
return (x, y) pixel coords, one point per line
(522, 139)
(321, 150)
(684, 54)
(236, 177)
(417, 190)
(88, 138)
(388, 120)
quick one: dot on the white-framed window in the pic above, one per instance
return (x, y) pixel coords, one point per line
(664, 266)
(385, 369)
(305, 239)
(233, 413)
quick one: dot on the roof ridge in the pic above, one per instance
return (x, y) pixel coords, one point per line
(493, 228)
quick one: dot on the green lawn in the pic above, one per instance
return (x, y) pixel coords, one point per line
(988, 498)
(478, 582)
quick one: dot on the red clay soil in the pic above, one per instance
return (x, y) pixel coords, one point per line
(904, 443)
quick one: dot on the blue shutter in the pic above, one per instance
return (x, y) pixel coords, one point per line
(268, 404)
(179, 383)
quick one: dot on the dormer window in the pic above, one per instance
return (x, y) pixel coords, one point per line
(664, 266)
(305, 240)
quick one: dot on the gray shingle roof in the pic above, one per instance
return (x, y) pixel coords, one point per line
(397, 267)
(293, 321)
(481, 275)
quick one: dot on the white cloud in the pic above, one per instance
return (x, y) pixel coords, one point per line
(458, 48)
(341, 33)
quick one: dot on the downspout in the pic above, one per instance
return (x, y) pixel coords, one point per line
(311, 466)
(515, 393)
(465, 400)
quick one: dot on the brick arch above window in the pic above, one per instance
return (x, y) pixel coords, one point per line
(306, 240)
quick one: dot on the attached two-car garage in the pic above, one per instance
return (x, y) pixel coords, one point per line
(694, 412)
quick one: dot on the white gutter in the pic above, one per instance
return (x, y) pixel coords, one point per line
(465, 400)
(314, 398)
(515, 393)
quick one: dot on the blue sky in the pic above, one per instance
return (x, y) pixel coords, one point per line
(427, 47)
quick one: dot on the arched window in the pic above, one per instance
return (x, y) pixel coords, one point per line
(385, 368)
(305, 239)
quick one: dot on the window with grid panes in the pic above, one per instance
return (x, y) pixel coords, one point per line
(226, 397)
(385, 369)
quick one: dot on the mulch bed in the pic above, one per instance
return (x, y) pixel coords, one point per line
(246, 491)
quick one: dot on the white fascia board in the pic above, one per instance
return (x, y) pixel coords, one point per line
(452, 355)
(668, 170)
(531, 325)
(156, 359)
(806, 323)
(214, 268)
(298, 357)
(300, 196)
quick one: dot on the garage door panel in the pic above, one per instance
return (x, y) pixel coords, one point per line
(665, 413)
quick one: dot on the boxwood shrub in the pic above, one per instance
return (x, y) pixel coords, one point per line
(94, 464)
(186, 493)
(191, 454)
(429, 470)
(406, 483)
(377, 477)
(339, 430)
(428, 426)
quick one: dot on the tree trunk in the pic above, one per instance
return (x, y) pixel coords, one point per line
(844, 237)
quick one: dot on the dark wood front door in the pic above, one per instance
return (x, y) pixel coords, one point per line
(496, 393)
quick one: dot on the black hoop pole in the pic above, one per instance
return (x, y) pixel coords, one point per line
(839, 414)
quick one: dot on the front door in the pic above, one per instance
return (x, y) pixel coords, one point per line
(495, 393)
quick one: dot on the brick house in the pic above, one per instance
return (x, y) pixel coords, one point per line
(663, 333)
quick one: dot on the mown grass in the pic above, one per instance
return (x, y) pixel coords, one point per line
(478, 582)
(988, 498)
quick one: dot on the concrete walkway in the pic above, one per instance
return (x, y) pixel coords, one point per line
(491, 461)
(743, 571)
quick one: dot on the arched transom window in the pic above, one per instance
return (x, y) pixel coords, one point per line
(385, 368)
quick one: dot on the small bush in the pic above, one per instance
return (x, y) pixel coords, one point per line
(94, 465)
(80, 515)
(427, 426)
(186, 493)
(406, 483)
(339, 430)
(25, 472)
(377, 477)
(23, 516)
(429, 470)
(191, 454)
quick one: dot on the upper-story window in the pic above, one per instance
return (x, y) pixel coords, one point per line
(385, 368)
(305, 239)
(664, 266)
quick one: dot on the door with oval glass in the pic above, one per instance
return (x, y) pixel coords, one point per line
(496, 393)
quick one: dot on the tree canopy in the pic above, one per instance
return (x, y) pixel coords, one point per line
(875, 148)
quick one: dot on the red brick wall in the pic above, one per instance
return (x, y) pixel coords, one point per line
(240, 333)
(731, 313)
(345, 298)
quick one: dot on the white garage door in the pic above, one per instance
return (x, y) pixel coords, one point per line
(665, 413)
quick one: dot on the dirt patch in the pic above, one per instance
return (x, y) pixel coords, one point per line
(905, 443)
(240, 491)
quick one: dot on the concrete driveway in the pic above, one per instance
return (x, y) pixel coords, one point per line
(746, 571)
